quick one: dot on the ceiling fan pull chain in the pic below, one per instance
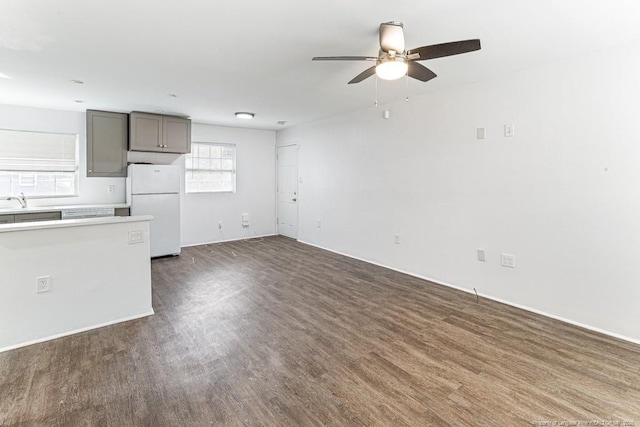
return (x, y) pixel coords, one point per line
(375, 102)
(407, 87)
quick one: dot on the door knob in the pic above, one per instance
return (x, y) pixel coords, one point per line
(294, 199)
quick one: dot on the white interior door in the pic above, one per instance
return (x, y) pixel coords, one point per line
(288, 191)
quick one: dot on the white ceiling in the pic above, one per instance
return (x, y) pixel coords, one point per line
(221, 57)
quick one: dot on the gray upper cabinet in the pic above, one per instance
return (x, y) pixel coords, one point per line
(155, 132)
(106, 144)
(177, 134)
(145, 132)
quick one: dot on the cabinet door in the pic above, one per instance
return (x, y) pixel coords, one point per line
(176, 132)
(38, 216)
(6, 219)
(106, 144)
(145, 132)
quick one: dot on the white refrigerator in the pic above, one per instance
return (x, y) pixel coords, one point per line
(155, 190)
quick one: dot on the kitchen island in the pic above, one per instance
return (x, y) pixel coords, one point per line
(62, 277)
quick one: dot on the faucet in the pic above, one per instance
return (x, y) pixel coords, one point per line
(22, 199)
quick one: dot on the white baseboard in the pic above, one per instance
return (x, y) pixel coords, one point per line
(228, 240)
(77, 331)
(470, 291)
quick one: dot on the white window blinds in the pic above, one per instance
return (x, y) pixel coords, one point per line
(38, 164)
(37, 151)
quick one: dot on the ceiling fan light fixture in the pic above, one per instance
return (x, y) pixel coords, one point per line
(392, 68)
(244, 115)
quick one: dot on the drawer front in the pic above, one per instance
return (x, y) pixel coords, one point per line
(6, 219)
(37, 216)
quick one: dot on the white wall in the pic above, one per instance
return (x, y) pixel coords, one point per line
(562, 195)
(97, 278)
(255, 189)
(91, 190)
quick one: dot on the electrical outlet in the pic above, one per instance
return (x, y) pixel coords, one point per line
(111, 188)
(509, 130)
(507, 260)
(136, 236)
(481, 256)
(43, 284)
(396, 239)
(319, 224)
(481, 133)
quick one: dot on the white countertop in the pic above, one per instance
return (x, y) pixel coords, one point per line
(29, 209)
(5, 228)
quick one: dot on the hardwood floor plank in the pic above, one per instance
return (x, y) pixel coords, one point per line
(278, 333)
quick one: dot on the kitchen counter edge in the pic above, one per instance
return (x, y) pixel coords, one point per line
(19, 210)
(5, 228)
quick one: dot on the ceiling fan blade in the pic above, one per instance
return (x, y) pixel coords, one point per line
(391, 37)
(344, 58)
(443, 49)
(420, 72)
(363, 75)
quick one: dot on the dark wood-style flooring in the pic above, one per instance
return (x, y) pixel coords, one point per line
(280, 333)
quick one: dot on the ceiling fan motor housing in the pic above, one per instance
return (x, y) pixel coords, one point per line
(392, 37)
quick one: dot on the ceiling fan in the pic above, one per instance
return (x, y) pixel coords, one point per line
(393, 61)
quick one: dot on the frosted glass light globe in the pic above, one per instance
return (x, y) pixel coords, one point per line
(392, 69)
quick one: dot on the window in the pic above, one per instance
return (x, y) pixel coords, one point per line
(210, 168)
(38, 164)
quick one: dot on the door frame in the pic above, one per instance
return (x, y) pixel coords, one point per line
(278, 147)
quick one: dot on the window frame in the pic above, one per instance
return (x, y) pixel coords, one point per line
(75, 172)
(233, 169)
